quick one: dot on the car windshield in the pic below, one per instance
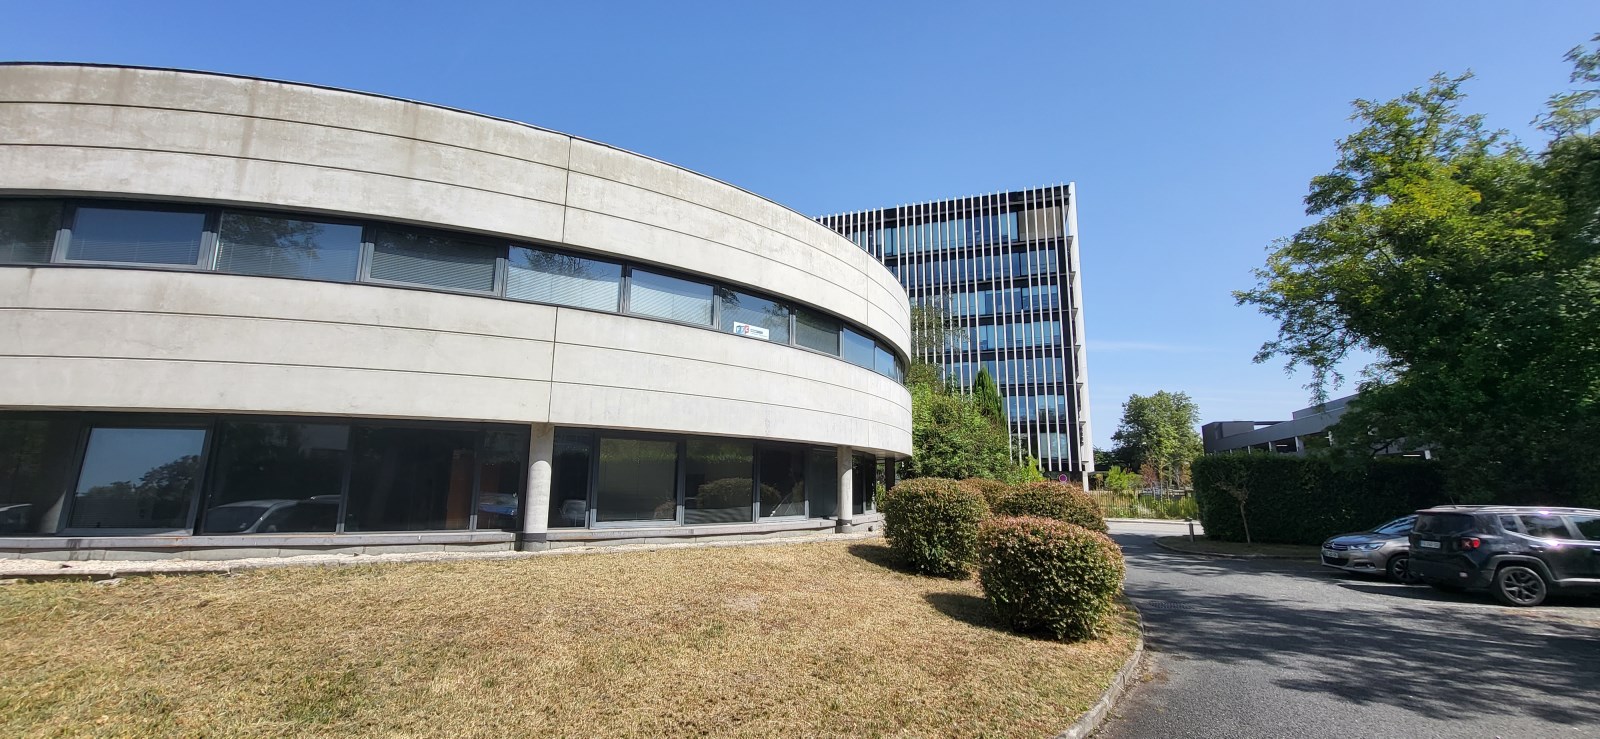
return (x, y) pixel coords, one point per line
(1444, 523)
(230, 519)
(1400, 525)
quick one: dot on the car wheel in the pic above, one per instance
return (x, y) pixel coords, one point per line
(1399, 569)
(1515, 585)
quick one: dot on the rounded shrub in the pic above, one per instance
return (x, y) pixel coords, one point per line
(931, 523)
(1058, 500)
(992, 491)
(1046, 576)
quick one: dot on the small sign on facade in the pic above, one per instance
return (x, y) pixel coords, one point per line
(1061, 478)
(754, 332)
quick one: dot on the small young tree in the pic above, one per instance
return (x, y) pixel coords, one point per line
(1240, 490)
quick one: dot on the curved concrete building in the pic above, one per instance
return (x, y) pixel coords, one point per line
(246, 314)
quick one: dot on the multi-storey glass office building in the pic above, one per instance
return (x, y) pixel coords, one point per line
(1005, 269)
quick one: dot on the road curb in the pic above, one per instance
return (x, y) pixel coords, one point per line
(1221, 555)
(1097, 714)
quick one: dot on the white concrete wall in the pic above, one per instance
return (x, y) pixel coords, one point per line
(121, 132)
(145, 340)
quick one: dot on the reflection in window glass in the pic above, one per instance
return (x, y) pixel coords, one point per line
(885, 363)
(638, 481)
(137, 478)
(822, 483)
(783, 488)
(286, 247)
(434, 259)
(28, 230)
(858, 349)
(136, 236)
(548, 277)
(35, 462)
(669, 297)
(569, 483)
(1545, 527)
(757, 318)
(718, 482)
(500, 473)
(864, 484)
(1588, 526)
(276, 478)
(410, 479)
(816, 331)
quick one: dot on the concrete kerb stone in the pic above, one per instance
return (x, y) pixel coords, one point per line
(1224, 555)
(1097, 714)
(19, 570)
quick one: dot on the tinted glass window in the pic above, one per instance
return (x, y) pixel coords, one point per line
(137, 478)
(410, 479)
(757, 318)
(434, 259)
(885, 363)
(858, 349)
(719, 478)
(569, 483)
(783, 489)
(1444, 524)
(286, 247)
(638, 481)
(1588, 526)
(295, 472)
(864, 483)
(136, 236)
(822, 483)
(28, 230)
(669, 297)
(1545, 527)
(816, 331)
(548, 277)
(1397, 526)
(501, 470)
(35, 460)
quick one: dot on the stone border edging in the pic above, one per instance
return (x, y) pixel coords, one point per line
(1224, 555)
(1092, 719)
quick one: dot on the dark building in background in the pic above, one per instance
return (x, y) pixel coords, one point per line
(1005, 268)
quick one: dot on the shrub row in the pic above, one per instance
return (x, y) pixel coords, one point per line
(1044, 563)
(1304, 500)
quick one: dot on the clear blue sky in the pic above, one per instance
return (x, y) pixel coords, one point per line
(1191, 129)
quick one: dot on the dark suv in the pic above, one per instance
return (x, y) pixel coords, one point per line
(1520, 553)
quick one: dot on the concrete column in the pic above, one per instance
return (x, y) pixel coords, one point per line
(541, 455)
(847, 488)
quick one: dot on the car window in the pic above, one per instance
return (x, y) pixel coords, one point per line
(1398, 526)
(1545, 527)
(1588, 526)
(1509, 523)
(1444, 524)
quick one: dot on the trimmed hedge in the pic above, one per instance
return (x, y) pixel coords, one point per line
(1058, 500)
(1044, 575)
(1304, 500)
(932, 524)
(993, 491)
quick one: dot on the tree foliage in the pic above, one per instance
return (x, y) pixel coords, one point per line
(988, 396)
(1471, 269)
(1158, 430)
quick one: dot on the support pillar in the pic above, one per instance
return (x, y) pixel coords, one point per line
(847, 489)
(536, 511)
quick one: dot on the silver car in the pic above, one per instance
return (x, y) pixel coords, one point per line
(1384, 550)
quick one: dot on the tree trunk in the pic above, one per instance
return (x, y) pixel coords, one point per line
(1246, 523)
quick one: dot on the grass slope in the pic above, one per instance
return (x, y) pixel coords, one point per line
(813, 639)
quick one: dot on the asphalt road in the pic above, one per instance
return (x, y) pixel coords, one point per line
(1271, 648)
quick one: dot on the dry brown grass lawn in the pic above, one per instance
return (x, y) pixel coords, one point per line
(804, 639)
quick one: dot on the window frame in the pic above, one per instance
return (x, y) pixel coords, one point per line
(369, 251)
(368, 231)
(86, 426)
(205, 255)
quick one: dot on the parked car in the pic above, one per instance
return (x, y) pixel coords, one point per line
(319, 513)
(1383, 550)
(1518, 553)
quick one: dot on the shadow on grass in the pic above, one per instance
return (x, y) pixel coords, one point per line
(968, 609)
(880, 555)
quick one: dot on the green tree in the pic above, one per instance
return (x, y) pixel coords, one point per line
(1159, 430)
(988, 397)
(1471, 269)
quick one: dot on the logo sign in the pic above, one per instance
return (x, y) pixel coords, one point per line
(754, 332)
(1061, 478)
